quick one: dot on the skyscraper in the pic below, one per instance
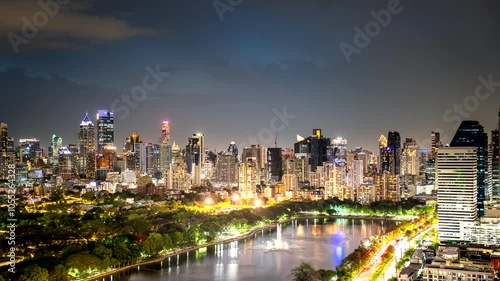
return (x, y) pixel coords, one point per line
(471, 134)
(315, 147)
(4, 133)
(394, 144)
(195, 157)
(165, 133)
(410, 158)
(105, 129)
(435, 143)
(275, 163)
(456, 171)
(86, 148)
(247, 179)
(495, 162)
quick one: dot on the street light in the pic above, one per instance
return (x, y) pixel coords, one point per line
(209, 201)
(235, 197)
(257, 203)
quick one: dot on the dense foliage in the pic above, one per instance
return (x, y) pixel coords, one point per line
(82, 243)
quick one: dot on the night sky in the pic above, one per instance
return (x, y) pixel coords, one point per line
(226, 77)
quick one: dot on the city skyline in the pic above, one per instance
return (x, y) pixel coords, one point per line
(224, 78)
(153, 138)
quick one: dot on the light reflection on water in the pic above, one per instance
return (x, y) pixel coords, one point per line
(322, 243)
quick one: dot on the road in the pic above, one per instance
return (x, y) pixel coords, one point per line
(401, 247)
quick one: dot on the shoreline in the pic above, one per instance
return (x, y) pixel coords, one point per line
(238, 238)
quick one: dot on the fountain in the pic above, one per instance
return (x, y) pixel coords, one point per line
(277, 244)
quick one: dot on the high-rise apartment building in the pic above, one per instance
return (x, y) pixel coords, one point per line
(105, 129)
(471, 133)
(247, 179)
(456, 171)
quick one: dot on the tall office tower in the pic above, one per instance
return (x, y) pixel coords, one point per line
(435, 143)
(275, 161)
(195, 157)
(107, 159)
(233, 149)
(247, 179)
(386, 187)
(339, 146)
(105, 129)
(56, 145)
(314, 146)
(410, 158)
(456, 171)
(165, 133)
(29, 150)
(383, 164)
(471, 133)
(152, 160)
(131, 142)
(4, 134)
(495, 165)
(226, 170)
(86, 148)
(394, 144)
(7, 154)
(66, 164)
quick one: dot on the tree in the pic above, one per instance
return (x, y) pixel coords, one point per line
(35, 273)
(83, 262)
(59, 273)
(304, 272)
(153, 245)
(88, 196)
(325, 275)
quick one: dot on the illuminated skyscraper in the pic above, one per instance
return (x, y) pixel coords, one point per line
(435, 143)
(165, 133)
(314, 146)
(248, 178)
(456, 171)
(29, 150)
(66, 163)
(56, 145)
(3, 139)
(495, 161)
(105, 129)
(394, 145)
(471, 133)
(410, 159)
(86, 148)
(195, 157)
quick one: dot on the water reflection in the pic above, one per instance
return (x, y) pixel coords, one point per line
(322, 243)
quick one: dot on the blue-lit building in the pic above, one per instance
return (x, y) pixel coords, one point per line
(105, 129)
(471, 134)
